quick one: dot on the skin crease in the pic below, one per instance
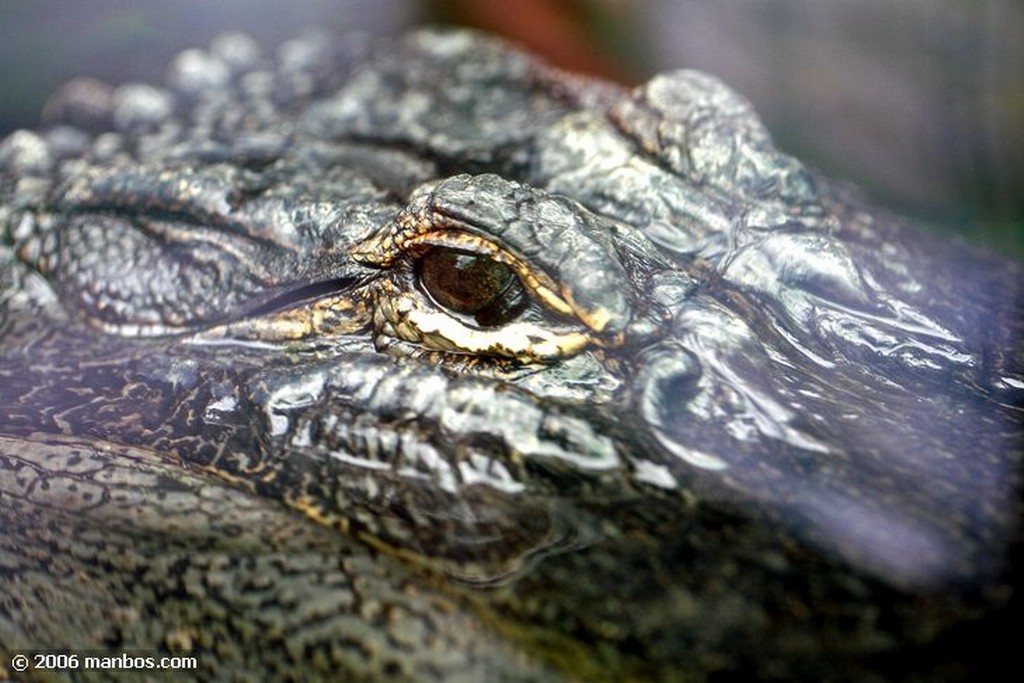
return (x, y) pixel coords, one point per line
(743, 424)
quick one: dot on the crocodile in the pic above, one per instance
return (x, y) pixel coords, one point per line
(418, 358)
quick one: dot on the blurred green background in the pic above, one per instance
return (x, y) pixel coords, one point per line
(919, 102)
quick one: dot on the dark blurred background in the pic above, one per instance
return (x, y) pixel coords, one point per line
(920, 102)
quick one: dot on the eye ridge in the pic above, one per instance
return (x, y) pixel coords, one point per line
(471, 285)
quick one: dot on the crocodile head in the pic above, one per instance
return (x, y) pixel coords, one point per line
(475, 312)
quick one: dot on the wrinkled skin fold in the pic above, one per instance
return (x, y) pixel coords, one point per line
(423, 359)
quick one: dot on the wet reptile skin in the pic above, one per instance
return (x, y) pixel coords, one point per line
(721, 419)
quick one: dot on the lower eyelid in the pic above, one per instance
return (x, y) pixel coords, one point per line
(524, 341)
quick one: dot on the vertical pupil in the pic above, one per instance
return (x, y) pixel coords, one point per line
(463, 282)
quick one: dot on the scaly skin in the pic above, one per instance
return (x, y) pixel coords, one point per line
(692, 409)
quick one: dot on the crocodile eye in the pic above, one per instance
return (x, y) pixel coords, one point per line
(472, 285)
